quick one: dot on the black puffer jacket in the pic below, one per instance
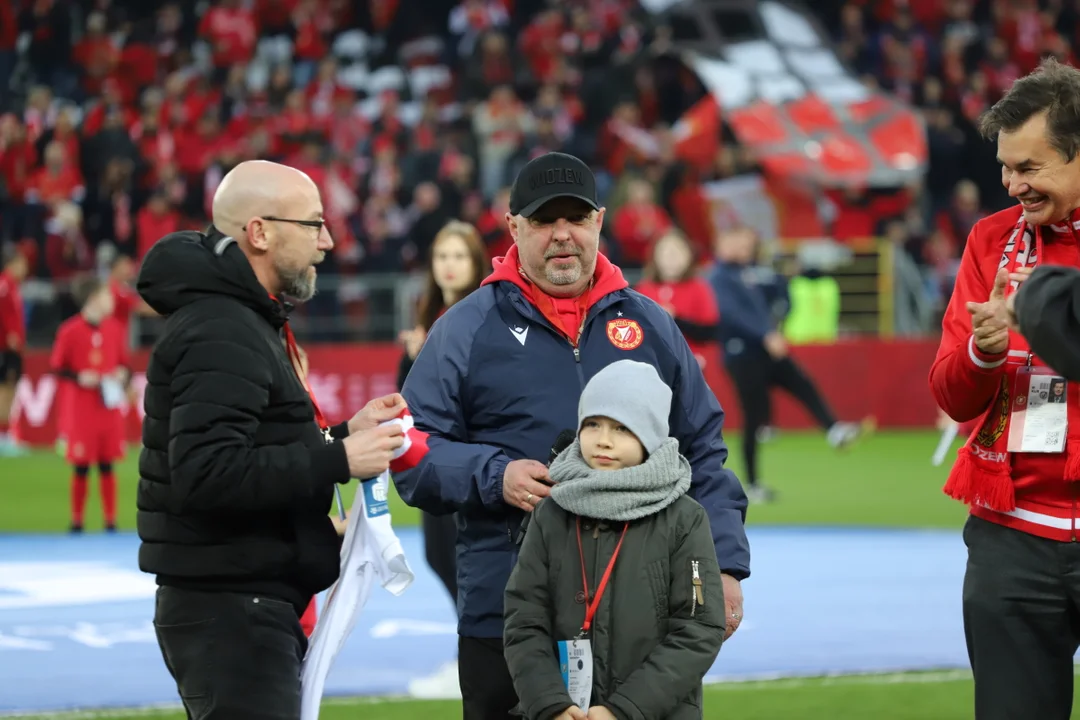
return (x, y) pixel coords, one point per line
(236, 479)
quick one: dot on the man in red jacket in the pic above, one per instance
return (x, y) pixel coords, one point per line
(12, 341)
(1020, 469)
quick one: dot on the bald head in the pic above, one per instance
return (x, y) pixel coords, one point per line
(276, 217)
(259, 188)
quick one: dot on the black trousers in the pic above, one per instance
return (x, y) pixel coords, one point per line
(234, 656)
(1021, 621)
(440, 540)
(487, 692)
(754, 375)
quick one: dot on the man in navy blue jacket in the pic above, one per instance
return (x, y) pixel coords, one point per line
(499, 378)
(756, 354)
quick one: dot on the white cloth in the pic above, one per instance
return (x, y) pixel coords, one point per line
(370, 550)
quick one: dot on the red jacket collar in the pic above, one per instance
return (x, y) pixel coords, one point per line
(607, 278)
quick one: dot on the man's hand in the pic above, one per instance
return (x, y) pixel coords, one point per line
(1010, 302)
(572, 713)
(376, 412)
(370, 451)
(89, 379)
(775, 345)
(990, 320)
(522, 486)
(599, 712)
(733, 609)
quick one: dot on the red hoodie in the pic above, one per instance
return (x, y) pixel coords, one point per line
(566, 314)
(965, 381)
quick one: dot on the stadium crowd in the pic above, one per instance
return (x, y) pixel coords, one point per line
(121, 117)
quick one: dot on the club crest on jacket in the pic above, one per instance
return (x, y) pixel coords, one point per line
(625, 334)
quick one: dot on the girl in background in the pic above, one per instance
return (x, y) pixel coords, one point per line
(458, 263)
(670, 278)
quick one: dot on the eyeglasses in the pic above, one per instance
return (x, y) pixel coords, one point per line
(317, 224)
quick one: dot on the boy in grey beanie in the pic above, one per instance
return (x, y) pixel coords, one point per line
(637, 644)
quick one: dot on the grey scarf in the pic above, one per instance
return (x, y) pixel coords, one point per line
(619, 495)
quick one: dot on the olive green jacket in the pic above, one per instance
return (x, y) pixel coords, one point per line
(659, 625)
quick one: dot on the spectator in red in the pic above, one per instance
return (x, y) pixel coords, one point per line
(639, 224)
(309, 45)
(12, 341)
(66, 251)
(232, 31)
(58, 181)
(126, 302)
(90, 355)
(95, 54)
(671, 279)
(156, 219)
(18, 157)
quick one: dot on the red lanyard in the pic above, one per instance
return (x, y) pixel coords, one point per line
(294, 357)
(591, 607)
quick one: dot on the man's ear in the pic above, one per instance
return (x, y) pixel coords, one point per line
(512, 224)
(256, 234)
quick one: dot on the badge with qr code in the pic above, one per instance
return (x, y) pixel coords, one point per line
(1039, 420)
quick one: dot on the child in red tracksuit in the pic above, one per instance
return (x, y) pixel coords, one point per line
(90, 356)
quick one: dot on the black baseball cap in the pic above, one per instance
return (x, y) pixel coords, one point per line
(549, 176)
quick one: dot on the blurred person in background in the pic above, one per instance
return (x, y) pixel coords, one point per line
(458, 263)
(126, 302)
(12, 341)
(1019, 471)
(90, 358)
(756, 355)
(639, 223)
(670, 278)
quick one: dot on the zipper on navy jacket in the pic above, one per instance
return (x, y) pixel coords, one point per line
(577, 350)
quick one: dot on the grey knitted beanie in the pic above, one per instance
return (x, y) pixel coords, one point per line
(633, 394)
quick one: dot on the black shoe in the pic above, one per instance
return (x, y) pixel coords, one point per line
(75, 529)
(110, 528)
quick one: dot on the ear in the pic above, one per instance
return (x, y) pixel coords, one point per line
(512, 224)
(600, 218)
(256, 234)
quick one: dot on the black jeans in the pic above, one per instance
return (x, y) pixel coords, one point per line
(753, 375)
(440, 549)
(487, 691)
(1021, 621)
(234, 656)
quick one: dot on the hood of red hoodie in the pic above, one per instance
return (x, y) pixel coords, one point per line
(607, 278)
